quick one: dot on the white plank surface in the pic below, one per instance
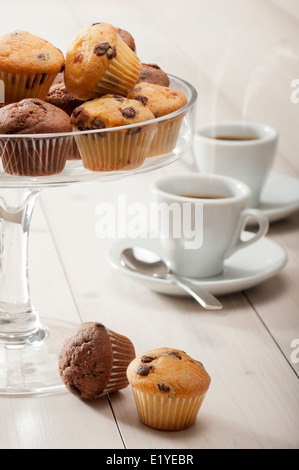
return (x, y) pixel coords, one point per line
(241, 56)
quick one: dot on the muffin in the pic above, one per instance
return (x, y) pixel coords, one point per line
(28, 66)
(59, 96)
(122, 149)
(99, 62)
(168, 387)
(33, 156)
(127, 37)
(161, 101)
(152, 73)
(93, 361)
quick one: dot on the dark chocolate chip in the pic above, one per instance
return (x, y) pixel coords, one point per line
(134, 131)
(164, 388)
(94, 24)
(146, 359)
(44, 57)
(142, 99)
(99, 325)
(144, 370)
(97, 123)
(118, 98)
(101, 48)
(78, 58)
(175, 353)
(111, 53)
(129, 112)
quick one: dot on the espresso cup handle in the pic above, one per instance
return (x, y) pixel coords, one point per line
(246, 215)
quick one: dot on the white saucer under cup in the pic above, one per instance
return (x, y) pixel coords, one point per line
(245, 269)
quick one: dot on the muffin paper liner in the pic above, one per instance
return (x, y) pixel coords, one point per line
(166, 137)
(167, 413)
(34, 157)
(119, 150)
(73, 152)
(122, 73)
(20, 86)
(123, 353)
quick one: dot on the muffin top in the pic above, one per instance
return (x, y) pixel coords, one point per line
(110, 111)
(33, 116)
(127, 38)
(90, 52)
(59, 96)
(85, 360)
(168, 372)
(22, 52)
(152, 73)
(159, 99)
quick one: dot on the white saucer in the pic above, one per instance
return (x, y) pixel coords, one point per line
(246, 268)
(280, 196)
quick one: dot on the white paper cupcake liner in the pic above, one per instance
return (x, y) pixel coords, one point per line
(115, 150)
(34, 157)
(167, 413)
(21, 86)
(166, 137)
(122, 73)
(122, 355)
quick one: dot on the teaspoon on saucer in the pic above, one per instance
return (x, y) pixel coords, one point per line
(149, 264)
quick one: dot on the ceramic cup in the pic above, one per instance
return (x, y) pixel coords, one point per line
(216, 223)
(249, 160)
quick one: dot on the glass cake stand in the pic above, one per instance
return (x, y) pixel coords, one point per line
(30, 343)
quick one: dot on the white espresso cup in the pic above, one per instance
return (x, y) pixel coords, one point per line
(241, 150)
(204, 222)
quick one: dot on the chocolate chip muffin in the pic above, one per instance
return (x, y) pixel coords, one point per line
(93, 361)
(33, 156)
(99, 62)
(152, 73)
(122, 149)
(28, 65)
(169, 388)
(162, 101)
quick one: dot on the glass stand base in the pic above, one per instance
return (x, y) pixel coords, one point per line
(33, 368)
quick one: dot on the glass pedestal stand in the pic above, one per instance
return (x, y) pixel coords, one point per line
(30, 344)
(28, 348)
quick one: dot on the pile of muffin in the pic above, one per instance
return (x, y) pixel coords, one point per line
(168, 385)
(100, 85)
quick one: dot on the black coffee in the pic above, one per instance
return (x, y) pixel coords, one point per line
(235, 137)
(203, 196)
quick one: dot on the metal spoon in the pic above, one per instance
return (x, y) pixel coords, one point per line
(149, 264)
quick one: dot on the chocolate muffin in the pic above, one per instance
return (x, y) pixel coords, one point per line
(152, 73)
(59, 96)
(127, 38)
(93, 361)
(33, 156)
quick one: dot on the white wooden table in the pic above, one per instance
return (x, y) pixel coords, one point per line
(242, 56)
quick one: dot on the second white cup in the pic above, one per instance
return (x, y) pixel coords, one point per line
(241, 150)
(201, 221)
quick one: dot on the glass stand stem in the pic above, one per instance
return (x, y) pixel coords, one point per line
(19, 322)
